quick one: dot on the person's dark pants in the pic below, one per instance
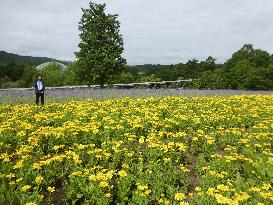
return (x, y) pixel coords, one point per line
(42, 95)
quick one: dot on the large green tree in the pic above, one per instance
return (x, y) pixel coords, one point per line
(242, 64)
(101, 46)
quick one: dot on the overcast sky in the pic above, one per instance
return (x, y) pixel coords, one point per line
(154, 31)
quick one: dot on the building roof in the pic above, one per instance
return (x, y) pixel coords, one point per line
(43, 65)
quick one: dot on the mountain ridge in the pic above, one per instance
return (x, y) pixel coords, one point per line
(6, 57)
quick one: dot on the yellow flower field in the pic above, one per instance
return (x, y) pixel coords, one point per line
(170, 150)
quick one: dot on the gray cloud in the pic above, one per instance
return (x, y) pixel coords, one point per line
(154, 31)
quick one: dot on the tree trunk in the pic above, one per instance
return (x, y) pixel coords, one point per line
(101, 84)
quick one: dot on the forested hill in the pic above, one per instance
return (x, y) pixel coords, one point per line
(6, 58)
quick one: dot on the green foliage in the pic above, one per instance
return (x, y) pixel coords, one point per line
(12, 70)
(162, 71)
(259, 79)
(52, 75)
(28, 77)
(257, 57)
(209, 64)
(245, 69)
(248, 68)
(239, 74)
(124, 77)
(101, 45)
(71, 74)
(3, 71)
(188, 70)
(4, 82)
(151, 78)
(209, 80)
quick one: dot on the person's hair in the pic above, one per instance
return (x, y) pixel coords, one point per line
(38, 76)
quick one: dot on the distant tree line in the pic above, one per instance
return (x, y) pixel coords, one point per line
(247, 69)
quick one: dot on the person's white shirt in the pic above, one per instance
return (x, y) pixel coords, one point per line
(39, 84)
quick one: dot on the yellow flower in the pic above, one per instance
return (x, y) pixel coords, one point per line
(12, 183)
(122, 173)
(266, 186)
(36, 166)
(211, 191)
(56, 147)
(142, 187)
(181, 147)
(18, 180)
(183, 203)
(197, 189)
(195, 138)
(103, 184)
(108, 195)
(147, 192)
(30, 203)
(39, 179)
(92, 177)
(222, 200)
(141, 140)
(130, 154)
(26, 188)
(241, 197)
(19, 164)
(21, 134)
(184, 169)
(255, 189)
(125, 166)
(81, 146)
(179, 196)
(223, 187)
(51, 189)
(210, 141)
(168, 159)
(77, 173)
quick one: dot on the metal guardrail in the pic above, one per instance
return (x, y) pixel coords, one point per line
(152, 84)
(129, 85)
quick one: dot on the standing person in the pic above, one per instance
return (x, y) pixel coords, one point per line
(39, 90)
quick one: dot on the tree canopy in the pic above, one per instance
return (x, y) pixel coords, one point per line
(101, 46)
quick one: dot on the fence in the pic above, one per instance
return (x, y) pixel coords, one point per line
(162, 84)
